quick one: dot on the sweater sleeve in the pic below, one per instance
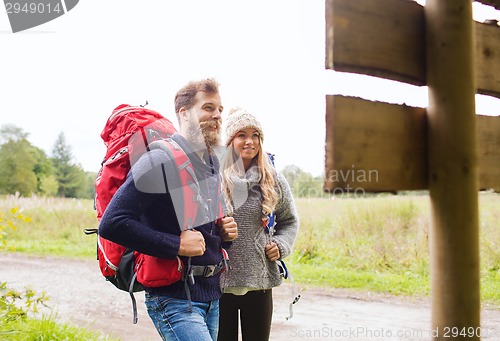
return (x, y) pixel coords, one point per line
(287, 219)
(122, 221)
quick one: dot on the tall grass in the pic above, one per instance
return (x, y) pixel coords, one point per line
(379, 243)
(489, 233)
(57, 226)
(382, 244)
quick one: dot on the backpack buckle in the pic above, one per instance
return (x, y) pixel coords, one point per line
(209, 270)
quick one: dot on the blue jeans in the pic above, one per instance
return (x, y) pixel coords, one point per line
(174, 321)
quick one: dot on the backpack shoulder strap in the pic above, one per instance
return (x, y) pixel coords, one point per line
(189, 188)
(271, 158)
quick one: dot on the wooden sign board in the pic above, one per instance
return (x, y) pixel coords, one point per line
(488, 134)
(494, 3)
(375, 146)
(386, 38)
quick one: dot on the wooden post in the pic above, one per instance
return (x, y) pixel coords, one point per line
(454, 235)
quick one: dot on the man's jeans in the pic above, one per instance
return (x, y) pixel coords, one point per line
(174, 321)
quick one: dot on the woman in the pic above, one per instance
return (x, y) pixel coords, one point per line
(253, 190)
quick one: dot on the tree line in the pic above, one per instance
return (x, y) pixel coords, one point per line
(304, 184)
(27, 169)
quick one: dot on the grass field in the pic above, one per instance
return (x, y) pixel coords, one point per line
(382, 244)
(376, 244)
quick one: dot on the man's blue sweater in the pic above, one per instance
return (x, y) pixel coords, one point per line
(141, 216)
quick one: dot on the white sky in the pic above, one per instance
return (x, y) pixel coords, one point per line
(68, 74)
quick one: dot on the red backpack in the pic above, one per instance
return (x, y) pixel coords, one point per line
(130, 132)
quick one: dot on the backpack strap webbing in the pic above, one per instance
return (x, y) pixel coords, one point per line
(187, 178)
(192, 200)
(132, 297)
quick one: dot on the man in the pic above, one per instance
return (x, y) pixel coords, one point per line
(144, 219)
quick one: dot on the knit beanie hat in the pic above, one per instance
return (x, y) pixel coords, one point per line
(237, 120)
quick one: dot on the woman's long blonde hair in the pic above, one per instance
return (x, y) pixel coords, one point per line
(233, 165)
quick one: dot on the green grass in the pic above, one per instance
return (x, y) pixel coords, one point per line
(378, 243)
(381, 244)
(46, 329)
(408, 284)
(57, 226)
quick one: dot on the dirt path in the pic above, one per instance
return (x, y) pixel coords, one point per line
(78, 294)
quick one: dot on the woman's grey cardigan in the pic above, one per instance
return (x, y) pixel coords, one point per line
(249, 266)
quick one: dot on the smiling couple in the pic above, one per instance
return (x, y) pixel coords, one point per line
(235, 199)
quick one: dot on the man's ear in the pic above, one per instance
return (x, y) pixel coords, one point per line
(183, 114)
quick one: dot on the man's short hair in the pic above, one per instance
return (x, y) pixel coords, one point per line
(185, 96)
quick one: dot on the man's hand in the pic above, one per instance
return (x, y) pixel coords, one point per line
(228, 229)
(192, 243)
(272, 251)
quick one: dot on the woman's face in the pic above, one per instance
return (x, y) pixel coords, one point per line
(247, 143)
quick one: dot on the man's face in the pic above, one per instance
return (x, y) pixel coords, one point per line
(205, 117)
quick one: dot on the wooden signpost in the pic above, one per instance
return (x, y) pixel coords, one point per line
(445, 148)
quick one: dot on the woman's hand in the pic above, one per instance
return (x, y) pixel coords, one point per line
(272, 251)
(228, 229)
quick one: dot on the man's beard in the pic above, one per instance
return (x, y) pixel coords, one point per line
(202, 136)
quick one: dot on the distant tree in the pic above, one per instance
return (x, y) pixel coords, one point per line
(291, 172)
(9, 132)
(61, 152)
(26, 169)
(88, 190)
(16, 168)
(44, 172)
(70, 177)
(48, 185)
(17, 161)
(305, 185)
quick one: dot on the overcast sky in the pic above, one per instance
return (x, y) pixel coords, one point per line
(68, 74)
